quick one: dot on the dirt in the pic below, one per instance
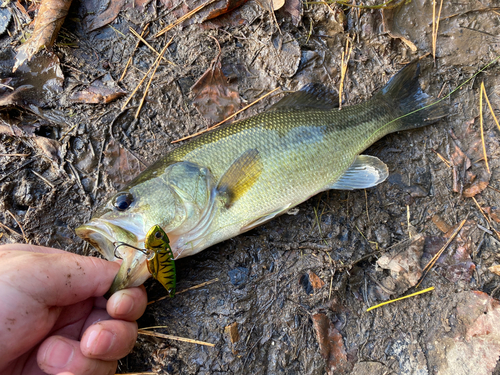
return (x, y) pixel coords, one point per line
(263, 276)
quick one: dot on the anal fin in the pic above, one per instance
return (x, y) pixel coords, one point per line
(365, 172)
(240, 177)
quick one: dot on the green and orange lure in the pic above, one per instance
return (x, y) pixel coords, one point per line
(160, 258)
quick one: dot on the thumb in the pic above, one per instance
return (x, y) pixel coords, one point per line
(56, 279)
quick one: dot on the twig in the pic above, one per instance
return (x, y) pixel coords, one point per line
(228, 118)
(438, 254)
(43, 179)
(17, 169)
(184, 17)
(21, 155)
(482, 127)
(188, 289)
(170, 337)
(486, 217)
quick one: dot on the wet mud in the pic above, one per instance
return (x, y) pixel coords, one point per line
(293, 292)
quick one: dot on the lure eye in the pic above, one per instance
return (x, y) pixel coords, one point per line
(157, 235)
(123, 201)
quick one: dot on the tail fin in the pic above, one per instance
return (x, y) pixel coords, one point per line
(414, 107)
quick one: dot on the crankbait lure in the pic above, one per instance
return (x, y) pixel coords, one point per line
(160, 259)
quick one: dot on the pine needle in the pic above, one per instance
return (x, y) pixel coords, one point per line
(132, 56)
(486, 217)
(435, 26)
(176, 338)
(448, 164)
(184, 17)
(144, 77)
(400, 298)
(141, 39)
(228, 118)
(156, 65)
(490, 107)
(343, 69)
(482, 127)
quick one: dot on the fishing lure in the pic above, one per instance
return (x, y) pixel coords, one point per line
(161, 263)
(160, 259)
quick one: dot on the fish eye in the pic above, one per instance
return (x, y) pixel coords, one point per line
(158, 235)
(123, 201)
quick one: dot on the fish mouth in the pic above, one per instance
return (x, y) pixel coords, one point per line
(105, 237)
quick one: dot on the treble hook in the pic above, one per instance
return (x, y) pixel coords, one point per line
(118, 244)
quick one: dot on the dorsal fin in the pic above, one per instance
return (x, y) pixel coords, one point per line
(312, 95)
(240, 177)
(365, 172)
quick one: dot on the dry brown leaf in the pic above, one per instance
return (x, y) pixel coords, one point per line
(387, 22)
(210, 12)
(277, 4)
(94, 22)
(50, 147)
(405, 265)
(232, 331)
(455, 264)
(495, 269)
(120, 164)
(331, 345)
(440, 223)
(101, 91)
(316, 282)
(214, 97)
(48, 21)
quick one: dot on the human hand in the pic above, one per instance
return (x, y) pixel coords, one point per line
(53, 316)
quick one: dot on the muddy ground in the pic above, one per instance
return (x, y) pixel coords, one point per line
(287, 321)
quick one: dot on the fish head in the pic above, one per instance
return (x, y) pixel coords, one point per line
(172, 199)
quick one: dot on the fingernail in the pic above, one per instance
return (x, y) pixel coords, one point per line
(124, 304)
(100, 342)
(59, 353)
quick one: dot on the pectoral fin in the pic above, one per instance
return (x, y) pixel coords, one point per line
(365, 172)
(263, 219)
(240, 177)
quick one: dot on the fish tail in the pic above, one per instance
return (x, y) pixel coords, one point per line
(414, 108)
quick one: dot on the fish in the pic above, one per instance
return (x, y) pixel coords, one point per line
(237, 177)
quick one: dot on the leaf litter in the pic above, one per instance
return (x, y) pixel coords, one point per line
(336, 334)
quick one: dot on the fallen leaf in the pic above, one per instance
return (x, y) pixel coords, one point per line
(232, 331)
(48, 21)
(101, 91)
(50, 147)
(455, 263)
(331, 345)
(218, 8)
(5, 16)
(277, 4)
(316, 282)
(473, 345)
(94, 22)
(404, 264)
(391, 29)
(120, 164)
(495, 269)
(440, 223)
(214, 97)
(294, 9)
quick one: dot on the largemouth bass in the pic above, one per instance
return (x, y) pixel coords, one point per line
(235, 178)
